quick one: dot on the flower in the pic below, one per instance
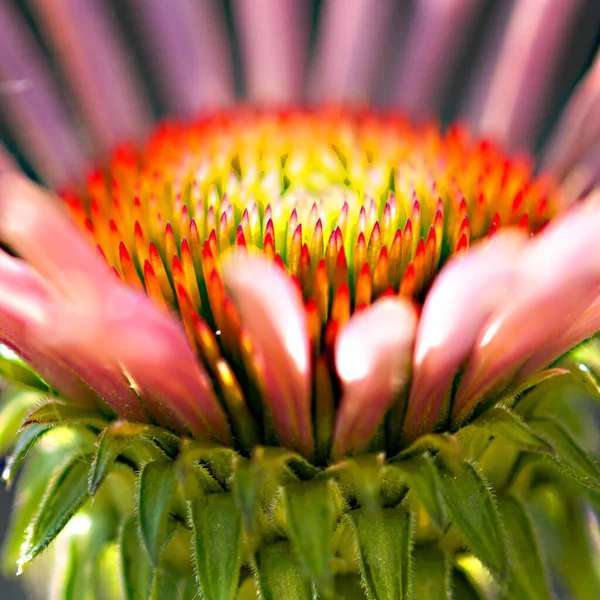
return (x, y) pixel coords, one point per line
(311, 334)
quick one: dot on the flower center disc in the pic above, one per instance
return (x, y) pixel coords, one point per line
(354, 205)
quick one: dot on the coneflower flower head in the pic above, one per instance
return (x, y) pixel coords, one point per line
(335, 353)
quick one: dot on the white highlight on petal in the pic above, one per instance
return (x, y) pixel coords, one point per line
(272, 311)
(274, 39)
(464, 296)
(372, 358)
(560, 275)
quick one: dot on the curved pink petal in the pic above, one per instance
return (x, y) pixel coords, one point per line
(372, 358)
(560, 274)
(585, 175)
(584, 328)
(109, 334)
(462, 299)
(274, 39)
(23, 306)
(272, 311)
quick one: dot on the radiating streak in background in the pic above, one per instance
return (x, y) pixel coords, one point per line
(33, 110)
(579, 126)
(436, 32)
(187, 44)
(529, 53)
(84, 37)
(584, 175)
(274, 45)
(351, 38)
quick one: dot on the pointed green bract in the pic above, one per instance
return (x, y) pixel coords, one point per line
(503, 423)
(25, 442)
(527, 578)
(472, 510)
(384, 546)
(11, 415)
(66, 494)
(311, 515)
(217, 527)
(280, 575)
(56, 412)
(423, 481)
(567, 453)
(431, 574)
(156, 483)
(137, 442)
(136, 568)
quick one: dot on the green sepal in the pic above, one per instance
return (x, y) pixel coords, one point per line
(514, 392)
(55, 413)
(38, 471)
(473, 511)
(527, 576)
(361, 476)
(14, 404)
(217, 541)
(445, 445)
(14, 370)
(136, 569)
(25, 442)
(137, 442)
(423, 481)
(431, 574)
(267, 465)
(566, 453)
(280, 575)
(311, 510)
(503, 423)
(156, 483)
(220, 461)
(384, 546)
(64, 497)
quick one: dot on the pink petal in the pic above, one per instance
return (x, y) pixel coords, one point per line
(272, 311)
(85, 39)
(560, 275)
(23, 305)
(274, 39)
(372, 358)
(462, 299)
(584, 328)
(584, 176)
(108, 333)
(350, 39)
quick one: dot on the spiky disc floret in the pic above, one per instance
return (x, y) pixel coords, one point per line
(354, 207)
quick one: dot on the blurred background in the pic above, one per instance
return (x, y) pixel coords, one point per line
(77, 76)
